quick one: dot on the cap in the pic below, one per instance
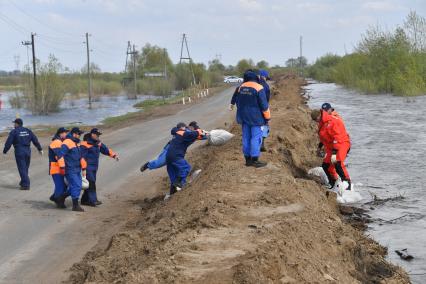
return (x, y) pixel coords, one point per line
(76, 130)
(62, 130)
(18, 121)
(250, 75)
(95, 131)
(326, 106)
(180, 125)
(264, 73)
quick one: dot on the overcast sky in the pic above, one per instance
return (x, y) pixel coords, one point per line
(231, 29)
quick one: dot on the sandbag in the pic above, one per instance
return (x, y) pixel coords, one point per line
(319, 172)
(219, 137)
(84, 183)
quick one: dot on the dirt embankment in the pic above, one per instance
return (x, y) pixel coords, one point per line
(244, 225)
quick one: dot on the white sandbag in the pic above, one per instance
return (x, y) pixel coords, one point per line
(84, 183)
(349, 196)
(319, 172)
(219, 137)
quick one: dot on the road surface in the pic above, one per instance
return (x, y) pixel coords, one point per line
(38, 243)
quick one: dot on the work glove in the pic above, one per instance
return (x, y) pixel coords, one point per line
(117, 158)
(334, 158)
(41, 152)
(231, 107)
(83, 173)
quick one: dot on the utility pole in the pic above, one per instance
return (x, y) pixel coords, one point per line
(89, 78)
(301, 55)
(34, 64)
(134, 70)
(185, 41)
(165, 63)
(28, 43)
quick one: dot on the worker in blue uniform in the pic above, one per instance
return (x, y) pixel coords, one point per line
(91, 148)
(177, 167)
(263, 77)
(160, 161)
(252, 113)
(54, 168)
(21, 139)
(72, 162)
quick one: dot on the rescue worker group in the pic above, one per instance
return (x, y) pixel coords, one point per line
(73, 162)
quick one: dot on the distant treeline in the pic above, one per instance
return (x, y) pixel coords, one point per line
(155, 75)
(383, 61)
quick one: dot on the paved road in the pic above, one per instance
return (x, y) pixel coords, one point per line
(38, 242)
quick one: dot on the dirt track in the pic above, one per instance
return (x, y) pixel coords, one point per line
(244, 225)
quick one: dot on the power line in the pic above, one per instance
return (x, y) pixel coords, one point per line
(42, 23)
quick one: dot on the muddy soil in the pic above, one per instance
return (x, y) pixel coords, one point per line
(244, 225)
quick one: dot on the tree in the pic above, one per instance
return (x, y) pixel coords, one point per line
(243, 65)
(216, 66)
(153, 59)
(415, 28)
(50, 88)
(297, 62)
(262, 64)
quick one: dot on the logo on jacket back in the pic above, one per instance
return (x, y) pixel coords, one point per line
(246, 91)
(23, 133)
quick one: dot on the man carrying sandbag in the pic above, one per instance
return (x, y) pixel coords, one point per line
(71, 161)
(177, 167)
(252, 113)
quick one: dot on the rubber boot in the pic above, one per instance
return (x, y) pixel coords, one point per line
(248, 161)
(262, 147)
(52, 198)
(76, 207)
(144, 167)
(257, 164)
(350, 184)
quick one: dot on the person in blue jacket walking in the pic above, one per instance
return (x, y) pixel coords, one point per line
(72, 162)
(91, 148)
(263, 77)
(21, 139)
(252, 113)
(177, 167)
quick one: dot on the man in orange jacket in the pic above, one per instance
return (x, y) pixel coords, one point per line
(334, 133)
(327, 166)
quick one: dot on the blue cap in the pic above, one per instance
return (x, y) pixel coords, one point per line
(264, 73)
(62, 130)
(95, 131)
(326, 106)
(18, 121)
(76, 130)
(250, 75)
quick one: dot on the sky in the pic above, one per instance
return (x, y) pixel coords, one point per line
(225, 29)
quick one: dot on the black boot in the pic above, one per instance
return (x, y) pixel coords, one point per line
(262, 147)
(178, 184)
(144, 167)
(76, 206)
(257, 164)
(248, 161)
(52, 198)
(349, 185)
(60, 201)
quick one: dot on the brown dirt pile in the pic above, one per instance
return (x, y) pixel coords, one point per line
(244, 225)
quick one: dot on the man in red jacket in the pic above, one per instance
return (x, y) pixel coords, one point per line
(334, 133)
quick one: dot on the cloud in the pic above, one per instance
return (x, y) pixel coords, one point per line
(315, 7)
(250, 5)
(382, 6)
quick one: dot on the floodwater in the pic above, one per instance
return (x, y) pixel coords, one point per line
(73, 111)
(387, 159)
